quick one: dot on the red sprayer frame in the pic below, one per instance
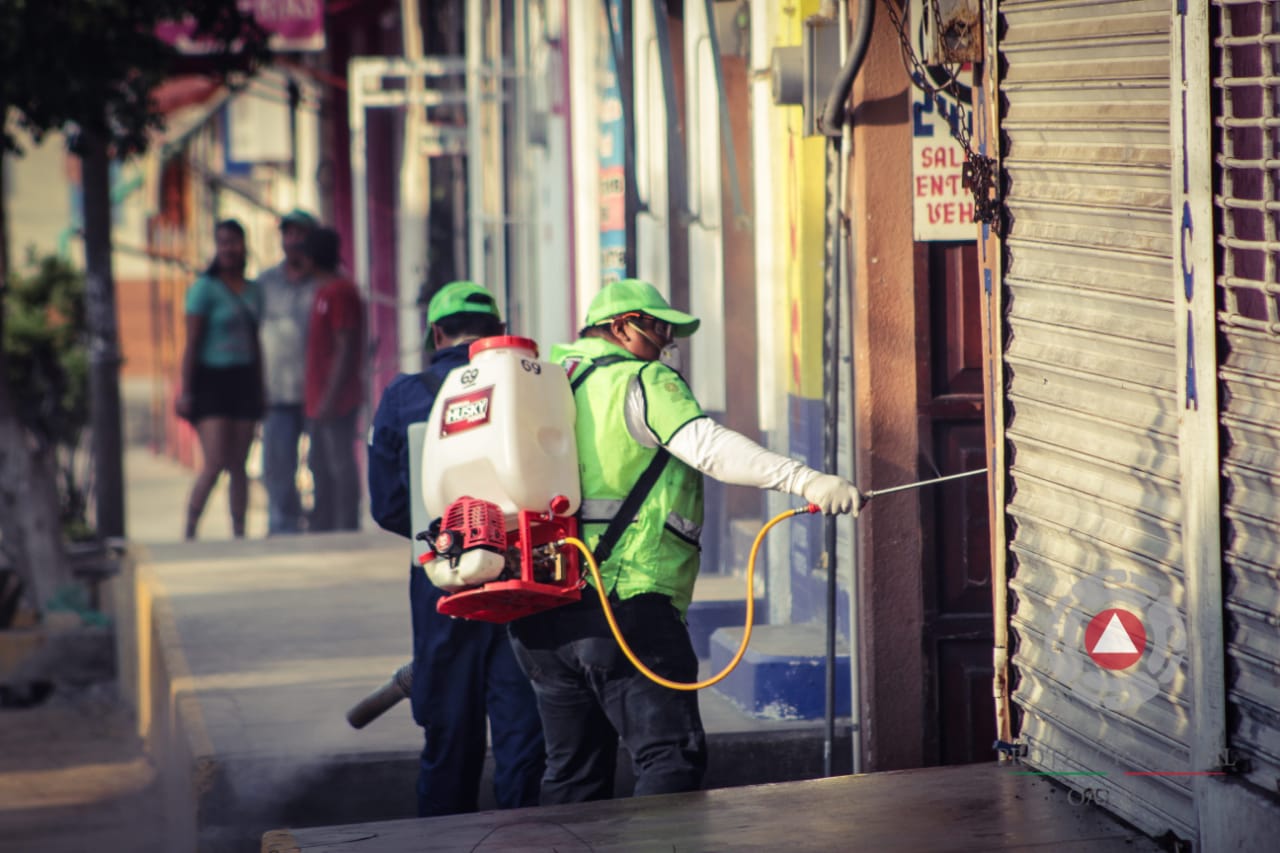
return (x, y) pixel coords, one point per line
(506, 601)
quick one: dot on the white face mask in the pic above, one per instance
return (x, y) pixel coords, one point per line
(670, 356)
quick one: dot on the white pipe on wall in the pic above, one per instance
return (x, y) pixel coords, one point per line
(307, 155)
(771, 301)
(413, 201)
(359, 175)
(584, 20)
(475, 151)
(772, 336)
(706, 231)
(848, 464)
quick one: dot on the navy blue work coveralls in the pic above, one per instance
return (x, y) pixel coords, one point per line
(461, 669)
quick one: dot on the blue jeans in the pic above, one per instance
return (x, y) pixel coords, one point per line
(281, 430)
(590, 695)
(464, 671)
(334, 470)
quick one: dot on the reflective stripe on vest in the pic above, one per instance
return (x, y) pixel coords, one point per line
(684, 528)
(599, 511)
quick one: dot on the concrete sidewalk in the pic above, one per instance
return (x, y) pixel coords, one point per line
(156, 492)
(74, 774)
(242, 657)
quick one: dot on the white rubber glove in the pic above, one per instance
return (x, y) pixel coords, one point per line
(833, 494)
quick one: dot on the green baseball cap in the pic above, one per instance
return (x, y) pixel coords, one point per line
(299, 217)
(633, 295)
(459, 297)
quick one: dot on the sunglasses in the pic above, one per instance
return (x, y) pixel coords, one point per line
(660, 328)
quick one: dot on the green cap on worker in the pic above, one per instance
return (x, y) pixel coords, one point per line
(300, 218)
(461, 297)
(631, 295)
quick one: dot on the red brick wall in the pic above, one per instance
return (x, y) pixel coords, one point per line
(136, 328)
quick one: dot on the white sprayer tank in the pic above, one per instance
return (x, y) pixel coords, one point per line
(501, 430)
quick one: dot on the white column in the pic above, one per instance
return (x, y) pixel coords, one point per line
(584, 20)
(706, 243)
(359, 174)
(414, 199)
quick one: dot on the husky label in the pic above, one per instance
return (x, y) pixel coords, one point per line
(466, 411)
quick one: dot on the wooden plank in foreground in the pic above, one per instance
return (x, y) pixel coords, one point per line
(979, 807)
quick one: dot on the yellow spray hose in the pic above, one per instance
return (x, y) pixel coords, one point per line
(746, 632)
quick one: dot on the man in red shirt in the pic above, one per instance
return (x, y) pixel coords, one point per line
(334, 386)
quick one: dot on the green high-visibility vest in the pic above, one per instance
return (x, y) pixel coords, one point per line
(658, 551)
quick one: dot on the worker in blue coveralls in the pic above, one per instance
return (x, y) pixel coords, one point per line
(462, 670)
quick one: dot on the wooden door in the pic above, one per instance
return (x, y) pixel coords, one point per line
(958, 631)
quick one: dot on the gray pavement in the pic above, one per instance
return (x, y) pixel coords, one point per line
(244, 656)
(156, 490)
(240, 658)
(74, 776)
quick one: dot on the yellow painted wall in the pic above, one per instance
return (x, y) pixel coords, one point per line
(798, 187)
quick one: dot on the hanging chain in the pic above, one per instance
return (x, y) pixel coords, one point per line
(979, 172)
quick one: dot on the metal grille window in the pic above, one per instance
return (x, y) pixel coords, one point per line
(1246, 57)
(1248, 130)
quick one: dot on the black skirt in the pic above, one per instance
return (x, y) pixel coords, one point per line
(227, 392)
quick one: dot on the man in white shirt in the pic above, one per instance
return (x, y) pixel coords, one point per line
(288, 289)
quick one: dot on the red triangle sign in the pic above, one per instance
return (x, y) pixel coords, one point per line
(1115, 639)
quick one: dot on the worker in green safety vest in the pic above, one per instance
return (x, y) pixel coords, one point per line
(644, 444)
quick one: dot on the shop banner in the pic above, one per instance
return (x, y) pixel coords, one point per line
(942, 207)
(294, 26)
(613, 148)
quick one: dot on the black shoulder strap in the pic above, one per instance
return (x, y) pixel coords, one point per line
(603, 361)
(640, 491)
(644, 484)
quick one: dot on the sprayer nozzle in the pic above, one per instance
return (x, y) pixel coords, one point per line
(812, 509)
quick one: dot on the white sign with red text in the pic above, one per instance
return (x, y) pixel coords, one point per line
(942, 208)
(466, 411)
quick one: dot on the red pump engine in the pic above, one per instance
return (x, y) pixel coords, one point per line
(499, 575)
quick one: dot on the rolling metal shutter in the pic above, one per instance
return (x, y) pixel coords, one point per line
(1247, 177)
(1091, 397)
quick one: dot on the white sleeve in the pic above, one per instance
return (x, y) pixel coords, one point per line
(720, 452)
(731, 457)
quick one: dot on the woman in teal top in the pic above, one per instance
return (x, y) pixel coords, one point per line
(222, 373)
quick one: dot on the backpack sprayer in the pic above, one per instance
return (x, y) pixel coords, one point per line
(500, 475)
(502, 428)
